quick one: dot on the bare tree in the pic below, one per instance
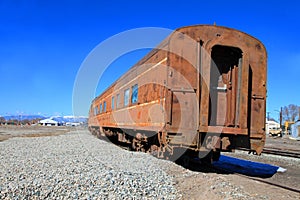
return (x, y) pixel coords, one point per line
(2, 120)
(290, 112)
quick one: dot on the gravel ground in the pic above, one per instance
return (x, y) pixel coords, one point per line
(76, 165)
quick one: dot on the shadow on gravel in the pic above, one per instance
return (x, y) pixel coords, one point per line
(230, 165)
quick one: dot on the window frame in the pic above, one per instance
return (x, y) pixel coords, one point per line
(112, 103)
(95, 110)
(104, 106)
(134, 91)
(118, 101)
(126, 97)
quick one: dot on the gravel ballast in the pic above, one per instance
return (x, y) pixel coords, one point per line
(77, 165)
(56, 164)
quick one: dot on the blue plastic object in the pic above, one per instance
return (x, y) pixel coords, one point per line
(249, 168)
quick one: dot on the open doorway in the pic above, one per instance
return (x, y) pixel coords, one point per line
(224, 85)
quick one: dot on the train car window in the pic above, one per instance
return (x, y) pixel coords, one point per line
(126, 97)
(101, 108)
(96, 110)
(104, 106)
(118, 101)
(134, 95)
(113, 103)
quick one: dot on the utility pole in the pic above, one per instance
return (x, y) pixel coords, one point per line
(299, 113)
(280, 117)
(268, 116)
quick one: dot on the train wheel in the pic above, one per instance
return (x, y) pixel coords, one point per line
(138, 145)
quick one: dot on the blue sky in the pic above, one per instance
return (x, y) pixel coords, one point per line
(43, 44)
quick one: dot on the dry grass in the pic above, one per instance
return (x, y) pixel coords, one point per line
(15, 131)
(4, 137)
(44, 134)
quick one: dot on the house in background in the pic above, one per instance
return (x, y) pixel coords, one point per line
(64, 121)
(271, 126)
(49, 122)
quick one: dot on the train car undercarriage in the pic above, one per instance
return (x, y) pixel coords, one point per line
(163, 145)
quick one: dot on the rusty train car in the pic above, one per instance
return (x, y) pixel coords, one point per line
(201, 91)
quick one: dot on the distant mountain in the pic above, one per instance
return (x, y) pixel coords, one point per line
(66, 119)
(61, 119)
(23, 117)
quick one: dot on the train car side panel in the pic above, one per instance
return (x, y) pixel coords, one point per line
(204, 82)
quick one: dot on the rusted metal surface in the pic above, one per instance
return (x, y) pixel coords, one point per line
(200, 80)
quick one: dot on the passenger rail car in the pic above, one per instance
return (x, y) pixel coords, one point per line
(202, 91)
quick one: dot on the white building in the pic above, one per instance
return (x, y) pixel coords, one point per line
(271, 125)
(49, 122)
(73, 124)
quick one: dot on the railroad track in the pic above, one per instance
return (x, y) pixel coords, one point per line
(278, 151)
(281, 152)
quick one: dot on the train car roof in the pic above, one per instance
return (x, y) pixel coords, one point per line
(216, 26)
(167, 40)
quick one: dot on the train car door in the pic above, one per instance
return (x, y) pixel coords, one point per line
(184, 110)
(225, 83)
